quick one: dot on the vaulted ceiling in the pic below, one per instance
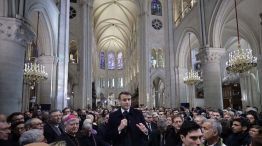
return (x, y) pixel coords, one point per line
(113, 23)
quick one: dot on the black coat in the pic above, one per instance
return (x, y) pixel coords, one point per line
(50, 134)
(242, 139)
(170, 137)
(70, 140)
(137, 138)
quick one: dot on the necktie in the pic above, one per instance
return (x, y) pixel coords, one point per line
(149, 126)
(57, 130)
(125, 114)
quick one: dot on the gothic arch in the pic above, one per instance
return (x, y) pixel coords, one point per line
(157, 74)
(49, 24)
(223, 25)
(183, 46)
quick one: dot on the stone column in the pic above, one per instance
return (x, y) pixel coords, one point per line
(182, 88)
(14, 35)
(63, 55)
(144, 53)
(259, 70)
(191, 95)
(47, 88)
(171, 99)
(176, 96)
(210, 59)
(250, 94)
(85, 51)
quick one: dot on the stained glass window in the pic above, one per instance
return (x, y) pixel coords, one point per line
(102, 60)
(156, 8)
(120, 60)
(111, 60)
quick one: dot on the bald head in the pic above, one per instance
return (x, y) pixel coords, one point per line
(2, 118)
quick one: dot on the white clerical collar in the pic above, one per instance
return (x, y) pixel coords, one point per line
(122, 110)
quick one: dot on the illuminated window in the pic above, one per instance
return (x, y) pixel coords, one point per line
(121, 83)
(120, 60)
(111, 60)
(156, 8)
(113, 83)
(102, 60)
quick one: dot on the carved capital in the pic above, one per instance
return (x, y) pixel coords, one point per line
(211, 55)
(12, 29)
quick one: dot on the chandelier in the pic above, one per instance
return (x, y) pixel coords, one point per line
(33, 71)
(191, 77)
(240, 60)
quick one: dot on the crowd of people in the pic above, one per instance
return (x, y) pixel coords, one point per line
(127, 126)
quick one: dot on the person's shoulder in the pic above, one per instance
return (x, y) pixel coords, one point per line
(136, 111)
(115, 113)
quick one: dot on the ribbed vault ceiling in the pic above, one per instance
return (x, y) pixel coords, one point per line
(113, 23)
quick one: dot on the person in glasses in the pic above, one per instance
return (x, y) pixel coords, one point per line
(126, 126)
(191, 134)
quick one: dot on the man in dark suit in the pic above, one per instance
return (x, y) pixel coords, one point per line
(53, 129)
(126, 126)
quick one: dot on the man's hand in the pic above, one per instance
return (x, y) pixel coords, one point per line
(142, 128)
(122, 125)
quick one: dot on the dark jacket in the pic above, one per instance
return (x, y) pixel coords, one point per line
(70, 140)
(51, 134)
(171, 138)
(131, 133)
(91, 140)
(239, 139)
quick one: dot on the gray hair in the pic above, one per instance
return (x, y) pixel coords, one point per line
(28, 124)
(30, 136)
(162, 124)
(87, 124)
(216, 125)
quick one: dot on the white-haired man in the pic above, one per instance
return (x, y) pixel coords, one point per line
(211, 132)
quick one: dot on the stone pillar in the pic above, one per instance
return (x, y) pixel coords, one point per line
(14, 35)
(259, 70)
(85, 51)
(144, 53)
(47, 88)
(181, 86)
(177, 83)
(170, 92)
(191, 95)
(250, 92)
(63, 55)
(210, 59)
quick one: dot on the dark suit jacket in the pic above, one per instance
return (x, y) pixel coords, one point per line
(169, 138)
(50, 134)
(138, 138)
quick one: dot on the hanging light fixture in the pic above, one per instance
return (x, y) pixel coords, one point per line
(33, 71)
(191, 77)
(240, 60)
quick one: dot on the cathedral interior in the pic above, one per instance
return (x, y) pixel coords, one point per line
(166, 53)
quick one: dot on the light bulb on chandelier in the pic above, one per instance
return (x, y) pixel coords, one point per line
(34, 72)
(240, 60)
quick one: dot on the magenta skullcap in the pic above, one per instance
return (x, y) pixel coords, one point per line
(70, 117)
